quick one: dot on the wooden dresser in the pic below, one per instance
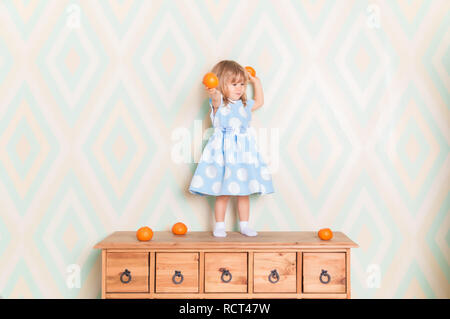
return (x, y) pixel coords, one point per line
(199, 265)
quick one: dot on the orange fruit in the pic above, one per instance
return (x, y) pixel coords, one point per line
(251, 70)
(210, 80)
(179, 229)
(325, 234)
(144, 233)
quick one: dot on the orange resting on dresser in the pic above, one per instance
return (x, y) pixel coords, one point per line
(144, 233)
(325, 234)
(179, 229)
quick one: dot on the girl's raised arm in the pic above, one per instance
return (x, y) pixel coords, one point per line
(258, 92)
(215, 96)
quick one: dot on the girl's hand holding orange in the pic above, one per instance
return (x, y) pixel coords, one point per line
(213, 93)
(251, 74)
(251, 71)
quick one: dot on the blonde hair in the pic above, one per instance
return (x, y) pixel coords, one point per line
(227, 71)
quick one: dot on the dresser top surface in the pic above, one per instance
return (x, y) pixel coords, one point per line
(206, 240)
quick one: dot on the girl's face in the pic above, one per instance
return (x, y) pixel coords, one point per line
(235, 88)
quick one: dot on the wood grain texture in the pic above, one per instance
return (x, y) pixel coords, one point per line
(202, 273)
(136, 263)
(299, 272)
(333, 263)
(250, 272)
(103, 273)
(298, 258)
(235, 263)
(349, 294)
(205, 240)
(152, 272)
(166, 265)
(283, 263)
(225, 296)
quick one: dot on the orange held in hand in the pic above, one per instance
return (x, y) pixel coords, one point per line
(251, 70)
(144, 233)
(179, 229)
(210, 80)
(325, 234)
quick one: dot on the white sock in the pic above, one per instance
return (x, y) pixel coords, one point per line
(219, 230)
(245, 230)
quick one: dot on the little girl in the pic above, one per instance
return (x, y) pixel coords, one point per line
(230, 164)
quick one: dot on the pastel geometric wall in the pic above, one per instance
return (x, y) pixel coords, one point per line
(357, 104)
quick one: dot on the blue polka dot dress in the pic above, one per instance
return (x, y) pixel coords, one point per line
(230, 163)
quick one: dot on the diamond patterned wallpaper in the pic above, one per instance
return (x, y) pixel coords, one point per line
(94, 96)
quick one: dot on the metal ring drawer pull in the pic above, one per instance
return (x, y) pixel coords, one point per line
(177, 274)
(225, 272)
(324, 274)
(274, 274)
(126, 273)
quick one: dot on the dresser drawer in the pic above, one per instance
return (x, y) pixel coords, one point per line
(177, 272)
(225, 272)
(127, 272)
(324, 272)
(275, 272)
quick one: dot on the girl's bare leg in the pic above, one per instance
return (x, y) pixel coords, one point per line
(243, 208)
(244, 214)
(220, 208)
